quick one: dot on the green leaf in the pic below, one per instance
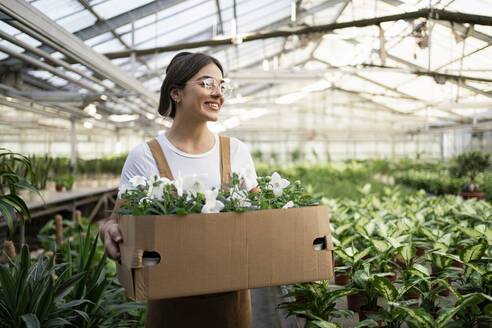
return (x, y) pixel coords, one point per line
(422, 318)
(407, 252)
(473, 252)
(29, 187)
(488, 310)
(422, 269)
(366, 323)
(323, 324)
(361, 254)
(31, 320)
(385, 288)
(9, 215)
(380, 245)
(471, 233)
(450, 313)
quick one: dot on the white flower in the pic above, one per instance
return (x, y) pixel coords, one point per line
(138, 181)
(277, 184)
(212, 205)
(123, 189)
(195, 183)
(247, 178)
(289, 204)
(241, 196)
(143, 200)
(156, 187)
(178, 184)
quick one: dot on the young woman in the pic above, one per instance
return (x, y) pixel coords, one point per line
(192, 94)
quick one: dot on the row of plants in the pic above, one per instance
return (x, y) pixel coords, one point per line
(330, 179)
(294, 156)
(467, 173)
(59, 169)
(399, 258)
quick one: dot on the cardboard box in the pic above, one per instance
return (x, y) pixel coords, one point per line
(212, 253)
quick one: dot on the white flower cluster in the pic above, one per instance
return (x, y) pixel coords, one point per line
(197, 183)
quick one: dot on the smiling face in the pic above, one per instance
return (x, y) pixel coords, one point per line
(195, 101)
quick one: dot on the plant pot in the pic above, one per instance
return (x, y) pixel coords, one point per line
(354, 302)
(420, 251)
(342, 279)
(363, 316)
(479, 195)
(59, 187)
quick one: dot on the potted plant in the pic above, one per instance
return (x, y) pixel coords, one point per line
(365, 282)
(58, 182)
(68, 181)
(316, 301)
(468, 166)
(354, 259)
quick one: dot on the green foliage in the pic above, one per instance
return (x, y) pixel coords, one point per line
(317, 301)
(330, 180)
(83, 252)
(12, 207)
(67, 180)
(33, 296)
(158, 197)
(470, 164)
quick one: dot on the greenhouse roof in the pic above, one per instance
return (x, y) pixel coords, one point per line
(351, 69)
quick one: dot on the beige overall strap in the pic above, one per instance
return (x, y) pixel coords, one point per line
(160, 159)
(225, 160)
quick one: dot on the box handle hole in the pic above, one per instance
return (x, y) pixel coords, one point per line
(319, 244)
(151, 258)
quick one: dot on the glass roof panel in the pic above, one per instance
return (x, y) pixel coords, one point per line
(8, 29)
(99, 39)
(109, 46)
(58, 9)
(114, 8)
(77, 21)
(478, 7)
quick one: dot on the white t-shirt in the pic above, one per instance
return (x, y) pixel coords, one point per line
(140, 161)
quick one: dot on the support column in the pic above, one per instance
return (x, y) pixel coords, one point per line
(442, 146)
(73, 149)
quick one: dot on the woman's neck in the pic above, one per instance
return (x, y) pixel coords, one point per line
(191, 138)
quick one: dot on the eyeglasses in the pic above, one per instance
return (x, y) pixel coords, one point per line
(213, 85)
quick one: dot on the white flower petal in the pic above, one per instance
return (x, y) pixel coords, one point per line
(138, 181)
(289, 204)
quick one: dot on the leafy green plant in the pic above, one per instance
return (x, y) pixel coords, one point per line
(31, 296)
(421, 319)
(106, 305)
(316, 301)
(11, 205)
(469, 165)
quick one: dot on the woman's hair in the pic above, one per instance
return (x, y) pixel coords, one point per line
(181, 68)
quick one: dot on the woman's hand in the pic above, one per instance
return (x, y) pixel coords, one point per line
(111, 236)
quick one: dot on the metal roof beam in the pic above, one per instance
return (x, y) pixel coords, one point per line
(422, 13)
(73, 47)
(125, 18)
